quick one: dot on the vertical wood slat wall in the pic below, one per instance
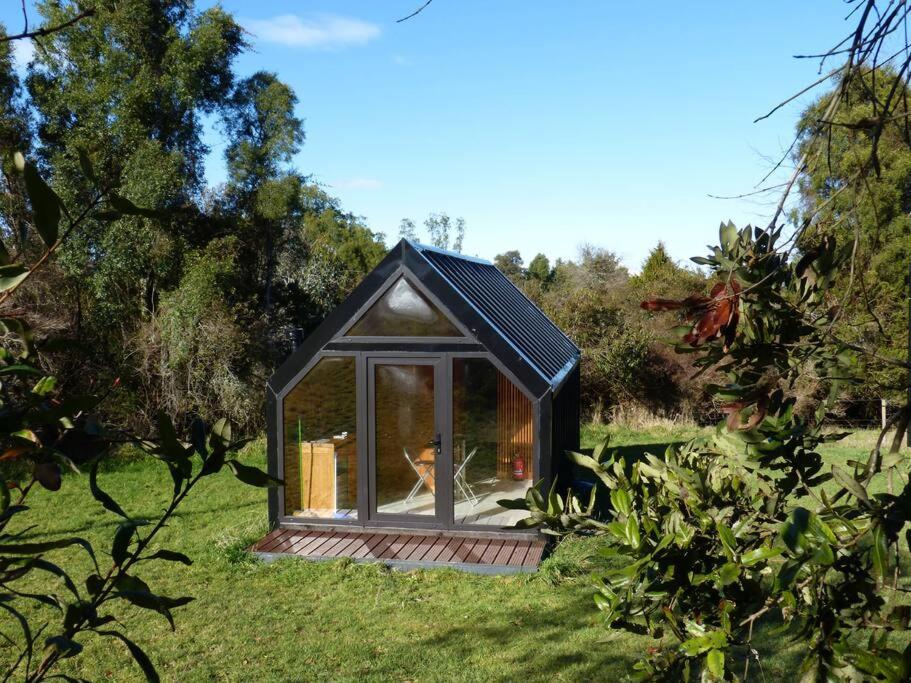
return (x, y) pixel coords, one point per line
(515, 428)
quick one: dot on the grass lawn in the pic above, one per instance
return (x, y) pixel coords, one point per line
(298, 621)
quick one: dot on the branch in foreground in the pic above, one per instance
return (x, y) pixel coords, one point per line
(415, 13)
(48, 30)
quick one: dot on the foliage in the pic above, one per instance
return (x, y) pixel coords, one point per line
(869, 216)
(130, 85)
(44, 429)
(714, 535)
(623, 363)
(442, 232)
(467, 627)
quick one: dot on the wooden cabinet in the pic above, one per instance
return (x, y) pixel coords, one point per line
(328, 475)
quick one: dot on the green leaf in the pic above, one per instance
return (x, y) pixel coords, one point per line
(12, 275)
(728, 573)
(102, 497)
(45, 202)
(256, 477)
(728, 235)
(220, 434)
(854, 487)
(621, 501)
(727, 539)
(141, 657)
(125, 206)
(758, 555)
(631, 532)
(45, 385)
(879, 551)
(714, 662)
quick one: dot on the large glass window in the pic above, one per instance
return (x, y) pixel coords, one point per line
(320, 442)
(403, 311)
(493, 443)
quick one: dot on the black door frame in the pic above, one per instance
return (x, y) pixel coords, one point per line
(443, 428)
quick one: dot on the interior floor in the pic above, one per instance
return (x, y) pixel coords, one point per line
(482, 508)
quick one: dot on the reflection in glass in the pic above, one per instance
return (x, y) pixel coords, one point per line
(403, 311)
(320, 442)
(493, 443)
(405, 430)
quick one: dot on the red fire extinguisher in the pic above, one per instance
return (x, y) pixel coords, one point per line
(518, 467)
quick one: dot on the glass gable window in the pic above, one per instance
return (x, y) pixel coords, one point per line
(320, 442)
(403, 311)
(493, 443)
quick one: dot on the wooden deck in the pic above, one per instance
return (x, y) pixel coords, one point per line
(404, 551)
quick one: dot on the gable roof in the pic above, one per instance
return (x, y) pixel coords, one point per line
(507, 309)
(477, 295)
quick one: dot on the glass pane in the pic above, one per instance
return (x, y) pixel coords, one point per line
(493, 443)
(405, 429)
(403, 312)
(320, 441)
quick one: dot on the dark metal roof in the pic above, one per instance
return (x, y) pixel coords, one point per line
(527, 329)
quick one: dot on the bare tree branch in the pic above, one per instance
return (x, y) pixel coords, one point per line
(48, 30)
(415, 13)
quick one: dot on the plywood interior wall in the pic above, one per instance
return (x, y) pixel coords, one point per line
(515, 428)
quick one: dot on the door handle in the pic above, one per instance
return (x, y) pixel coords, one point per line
(437, 444)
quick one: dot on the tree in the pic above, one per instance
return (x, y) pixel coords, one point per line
(871, 220)
(442, 232)
(265, 134)
(510, 263)
(539, 269)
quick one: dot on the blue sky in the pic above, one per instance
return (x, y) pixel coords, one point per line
(545, 125)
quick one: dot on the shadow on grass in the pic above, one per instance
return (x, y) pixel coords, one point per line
(553, 631)
(110, 521)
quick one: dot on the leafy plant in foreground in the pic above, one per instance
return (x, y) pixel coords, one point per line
(747, 524)
(42, 430)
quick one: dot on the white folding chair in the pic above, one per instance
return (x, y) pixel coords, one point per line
(422, 477)
(461, 481)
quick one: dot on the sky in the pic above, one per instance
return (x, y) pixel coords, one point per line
(546, 125)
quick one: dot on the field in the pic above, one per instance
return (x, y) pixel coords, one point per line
(299, 621)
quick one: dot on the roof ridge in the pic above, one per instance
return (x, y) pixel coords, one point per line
(446, 252)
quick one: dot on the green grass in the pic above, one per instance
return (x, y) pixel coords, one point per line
(301, 621)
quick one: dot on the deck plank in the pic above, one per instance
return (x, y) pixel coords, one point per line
(491, 552)
(406, 550)
(433, 552)
(326, 546)
(332, 549)
(287, 540)
(409, 547)
(265, 540)
(533, 558)
(450, 550)
(370, 541)
(313, 538)
(421, 548)
(267, 546)
(305, 539)
(505, 552)
(518, 555)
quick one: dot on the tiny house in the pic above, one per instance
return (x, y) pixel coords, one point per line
(434, 390)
